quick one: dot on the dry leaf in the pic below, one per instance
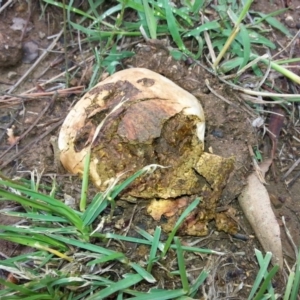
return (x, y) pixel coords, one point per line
(256, 205)
(157, 208)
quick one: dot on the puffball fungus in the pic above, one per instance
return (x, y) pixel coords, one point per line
(148, 120)
(137, 118)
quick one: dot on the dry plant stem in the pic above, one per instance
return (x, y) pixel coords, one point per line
(290, 237)
(130, 221)
(59, 75)
(256, 167)
(275, 126)
(292, 181)
(5, 5)
(287, 46)
(226, 46)
(217, 95)
(29, 11)
(56, 62)
(256, 93)
(28, 146)
(291, 169)
(259, 101)
(226, 100)
(65, 39)
(34, 96)
(44, 54)
(31, 126)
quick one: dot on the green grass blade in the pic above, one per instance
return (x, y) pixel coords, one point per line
(246, 45)
(34, 240)
(120, 187)
(172, 25)
(50, 204)
(257, 38)
(151, 21)
(266, 283)
(273, 21)
(153, 251)
(262, 271)
(83, 245)
(181, 265)
(160, 295)
(118, 286)
(16, 287)
(142, 272)
(198, 282)
(231, 64)
(198, 4)
(35, 216)
(98, 204)
(21, 258)
(106, 258)
(296, 284)
(85, 181)
(206, 26)
(191, 207)
(126, 238)
(22, 200)
(289, 286)
(244, 11)
(72, 9)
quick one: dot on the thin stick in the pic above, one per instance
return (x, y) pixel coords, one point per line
(5, 5)
(59, 75)
(288, 45)
(33, 96)
(29, 145)
(44, 54)
(295, 164)
(290, 237)
(30, 127)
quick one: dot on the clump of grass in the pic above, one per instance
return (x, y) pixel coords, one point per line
(64, 239)
(67, 252)
(227, 41)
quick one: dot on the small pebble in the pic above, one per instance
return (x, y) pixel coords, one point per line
(217, 133)
(42, 35)
(30, 52)
(289, 21)
(275, 201)
(12, 75)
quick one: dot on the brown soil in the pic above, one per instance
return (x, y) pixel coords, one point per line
(229, 132)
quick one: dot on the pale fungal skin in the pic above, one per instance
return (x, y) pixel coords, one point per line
(163, 88)
(136, 118)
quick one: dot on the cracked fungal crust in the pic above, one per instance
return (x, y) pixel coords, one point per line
(146, 120)
(157, 123)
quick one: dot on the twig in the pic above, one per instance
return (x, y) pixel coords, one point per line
(29, 145)
(5, 5)
(291, 182)
(130, 221)
(33, 96)
(30, 127)
(59, 75)
(44, 54)
(295, 164)
(288, 45)
(217, 95)
(29, 11)
(290, 237)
